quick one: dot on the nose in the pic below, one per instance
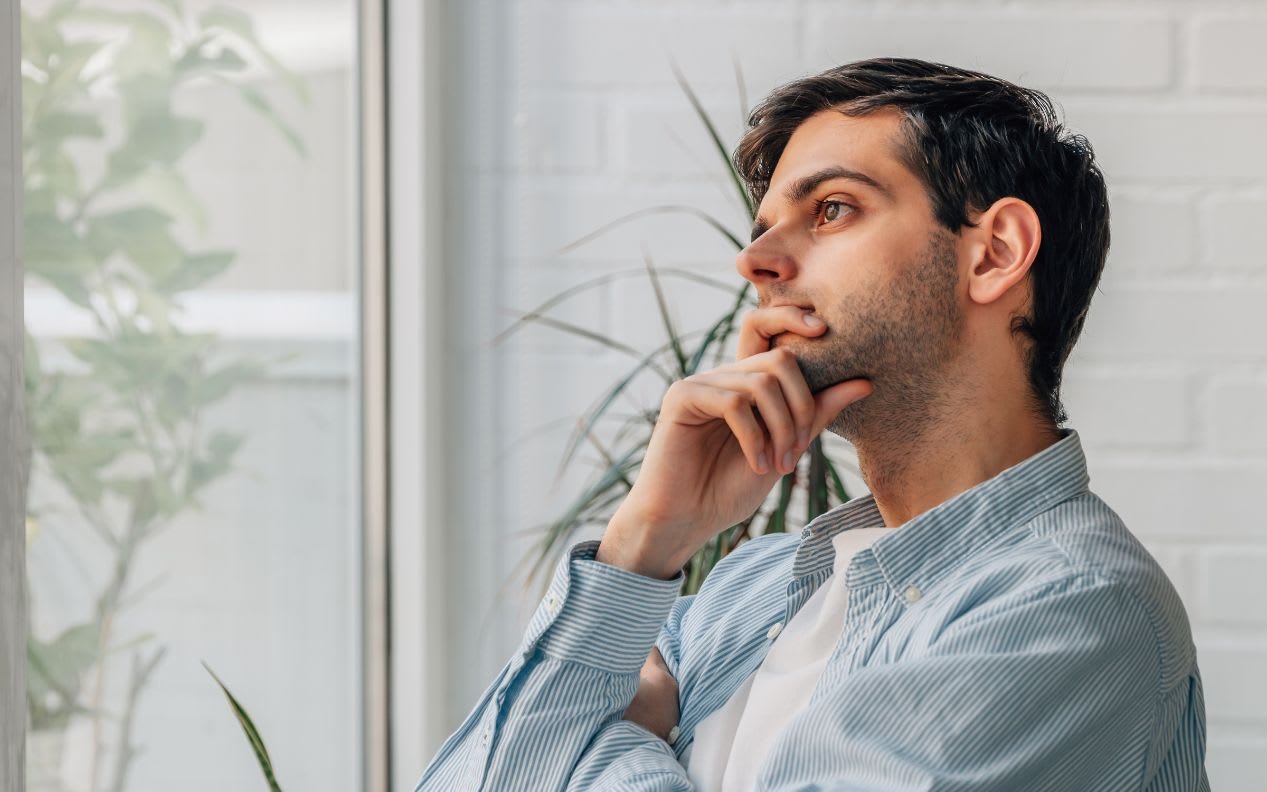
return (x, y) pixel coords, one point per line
(764, 260)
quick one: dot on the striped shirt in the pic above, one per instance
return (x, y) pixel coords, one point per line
(1016, 636)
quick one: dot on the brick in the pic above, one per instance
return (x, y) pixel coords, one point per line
(1235, 234)
(1228, 52)
(1084, 50)
(1193, 322)
(558, 134)
(1144, 410)
(553, 390)
(1144, 144)
(597, 46)
(549, 216)
(1176, 500)
(1234, 684)
(530, 285)
(672, 142)
(1151, 235)
(1238, 417)
(556, 383)
(694, 307)
(1230, 579)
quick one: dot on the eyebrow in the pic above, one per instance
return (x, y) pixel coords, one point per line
(801, 188)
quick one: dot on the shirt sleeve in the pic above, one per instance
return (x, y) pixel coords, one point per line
(625, 756)
(570, 681)
(1056, 687)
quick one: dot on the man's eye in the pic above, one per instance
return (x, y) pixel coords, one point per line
(820, 205)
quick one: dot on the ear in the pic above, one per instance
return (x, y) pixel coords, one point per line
(1006, 239)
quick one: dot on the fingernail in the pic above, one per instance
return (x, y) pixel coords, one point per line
(812, 321)
(787, 459)
(763, 462)
(802, 439)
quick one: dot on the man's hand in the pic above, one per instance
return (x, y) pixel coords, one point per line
(655, 706)
(719, 445)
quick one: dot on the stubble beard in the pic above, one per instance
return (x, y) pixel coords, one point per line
(905, 339)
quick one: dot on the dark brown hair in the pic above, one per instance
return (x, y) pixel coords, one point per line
(971, 139)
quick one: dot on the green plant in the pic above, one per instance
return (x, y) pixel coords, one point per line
(121, 435)
(597, 502)
(252, 734)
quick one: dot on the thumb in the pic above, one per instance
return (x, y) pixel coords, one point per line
(830, 401)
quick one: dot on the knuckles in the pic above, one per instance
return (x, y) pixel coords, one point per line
(765, 380)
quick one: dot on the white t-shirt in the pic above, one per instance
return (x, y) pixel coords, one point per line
(732, 742)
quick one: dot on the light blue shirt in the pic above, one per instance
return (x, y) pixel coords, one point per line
(1016, 636)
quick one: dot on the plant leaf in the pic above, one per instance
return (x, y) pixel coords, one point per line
(261, 105)
(603, 403)
(197, 269)
(563, 295)
(252, 734)
(560, 527)
(839, 485)
(601, 339)
(238, 23)
(53, 127)
(712, 132)
(723, 325)
(663, 209)
(664, 315)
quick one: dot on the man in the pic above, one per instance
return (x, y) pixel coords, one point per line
(980, 620)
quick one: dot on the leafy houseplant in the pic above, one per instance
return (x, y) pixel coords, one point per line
(121, 435)
(597, 502)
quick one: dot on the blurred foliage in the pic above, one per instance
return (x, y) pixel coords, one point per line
(675, 359)
(120, 429)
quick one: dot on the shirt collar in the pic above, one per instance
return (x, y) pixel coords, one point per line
(929, 545)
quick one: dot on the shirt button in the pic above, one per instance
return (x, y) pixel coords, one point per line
(912, 593)
(774, 631)
(552, 603)
(673, 733)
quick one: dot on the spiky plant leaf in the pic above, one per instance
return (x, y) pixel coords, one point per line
(252, 734)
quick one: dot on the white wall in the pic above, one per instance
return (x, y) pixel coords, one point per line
(1168, 384)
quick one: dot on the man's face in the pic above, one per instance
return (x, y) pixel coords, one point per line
(876, 267)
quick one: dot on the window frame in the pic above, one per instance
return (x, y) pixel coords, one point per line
(13, 466)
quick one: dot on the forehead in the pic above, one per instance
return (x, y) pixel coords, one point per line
(867, 144)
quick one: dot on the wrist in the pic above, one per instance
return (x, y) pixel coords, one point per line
(636, 548)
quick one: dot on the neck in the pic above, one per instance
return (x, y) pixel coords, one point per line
(966, 439)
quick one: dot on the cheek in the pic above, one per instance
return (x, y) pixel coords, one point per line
(863, 257)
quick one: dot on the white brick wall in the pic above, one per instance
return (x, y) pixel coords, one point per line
(1169, 384)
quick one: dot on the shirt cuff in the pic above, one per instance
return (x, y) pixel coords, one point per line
(602, 615)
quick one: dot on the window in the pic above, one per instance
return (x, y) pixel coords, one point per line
(193, 259)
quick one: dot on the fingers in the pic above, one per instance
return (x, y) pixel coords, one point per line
(784, 404)
(830, 401)
(760, 325)
(787, 415)
(702, 402)
(732, 394)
